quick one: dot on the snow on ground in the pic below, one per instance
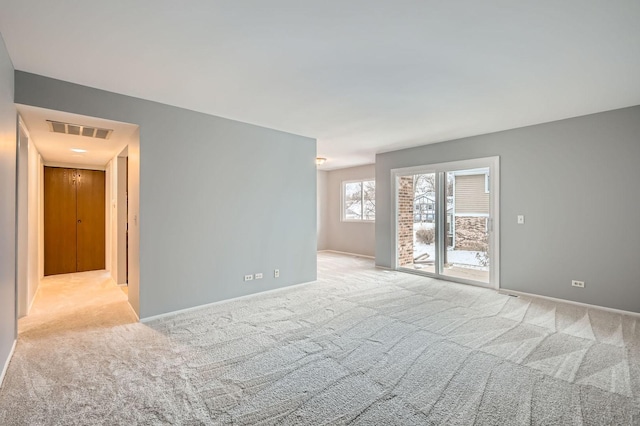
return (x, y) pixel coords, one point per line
(418, 225)
(464, 258)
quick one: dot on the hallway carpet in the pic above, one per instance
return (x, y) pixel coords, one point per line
(359, 346)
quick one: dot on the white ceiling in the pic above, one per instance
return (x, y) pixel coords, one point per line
(361, 76)
(56, 147)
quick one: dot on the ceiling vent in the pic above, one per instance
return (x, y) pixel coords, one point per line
(77, 129)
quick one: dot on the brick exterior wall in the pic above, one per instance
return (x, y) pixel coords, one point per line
(471, 233)
(405, 221)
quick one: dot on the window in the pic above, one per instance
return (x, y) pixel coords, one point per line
(359, 200)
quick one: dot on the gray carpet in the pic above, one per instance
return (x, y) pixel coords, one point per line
(361, 346)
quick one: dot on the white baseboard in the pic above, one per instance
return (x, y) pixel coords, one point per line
(346, 253)
(384, 268)
(570, 302)
(275, 290)
(6, 364)
(128, 304)
(220, 302)
(34, 299)
(133, 310)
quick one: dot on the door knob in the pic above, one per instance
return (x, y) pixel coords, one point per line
(79, 221)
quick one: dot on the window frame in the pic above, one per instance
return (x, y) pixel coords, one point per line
(343, 209)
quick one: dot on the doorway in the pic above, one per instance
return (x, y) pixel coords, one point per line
(446, 220)
(82, 147)
(74, 220)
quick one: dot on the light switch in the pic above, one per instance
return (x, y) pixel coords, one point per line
(520, 219)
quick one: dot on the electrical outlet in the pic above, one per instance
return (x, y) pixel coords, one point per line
(276, 273)
(248, 277)
(577, 283)
(259, 276)
(520, 219)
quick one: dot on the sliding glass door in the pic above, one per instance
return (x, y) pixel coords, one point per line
(446, 220)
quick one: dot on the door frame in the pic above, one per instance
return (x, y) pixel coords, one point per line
(493, 163)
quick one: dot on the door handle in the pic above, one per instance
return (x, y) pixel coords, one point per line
(79, 221)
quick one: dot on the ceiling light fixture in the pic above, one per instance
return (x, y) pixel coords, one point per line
(78, 150)
(320, 160)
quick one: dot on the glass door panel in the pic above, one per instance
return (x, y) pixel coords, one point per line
(444, 221)
(466, 249)
(416, 195)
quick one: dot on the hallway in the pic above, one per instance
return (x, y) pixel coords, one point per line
(82, 357)
(73, 302)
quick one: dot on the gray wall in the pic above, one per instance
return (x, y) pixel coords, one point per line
(8, 117)
(576, 181)
(322, 180)
(218, 198)
(348, 237)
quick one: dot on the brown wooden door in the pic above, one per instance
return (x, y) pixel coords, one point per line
(74, 220)
(59, 221)
(90, 219)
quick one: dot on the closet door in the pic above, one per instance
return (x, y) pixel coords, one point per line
(90, 219)
(59, 221)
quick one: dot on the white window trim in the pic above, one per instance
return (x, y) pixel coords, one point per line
(471, 214)
(342, 199)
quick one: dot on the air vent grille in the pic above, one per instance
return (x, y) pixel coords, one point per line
(58, 127)
(102, 133)
(77, 129)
